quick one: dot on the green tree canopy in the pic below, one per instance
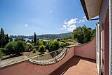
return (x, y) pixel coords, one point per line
(4, 39)
(83, 34)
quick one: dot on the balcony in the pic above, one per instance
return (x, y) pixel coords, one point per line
(75, 65)
(81, 66)
(79, 60)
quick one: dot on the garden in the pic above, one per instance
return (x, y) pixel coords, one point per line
(15, 47)
(10, 47)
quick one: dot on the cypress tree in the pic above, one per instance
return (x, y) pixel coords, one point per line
(35, 38)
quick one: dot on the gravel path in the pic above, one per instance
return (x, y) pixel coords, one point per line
(11, 61)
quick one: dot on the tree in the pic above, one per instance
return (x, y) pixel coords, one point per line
(82, 34)
(4, 39)
(35, 38)
(93, 32)
(2, 32)
(10, 39)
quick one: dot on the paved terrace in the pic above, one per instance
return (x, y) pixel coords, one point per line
(82, 67)
(75, 66)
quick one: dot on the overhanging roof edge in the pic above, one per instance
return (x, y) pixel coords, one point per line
(84, 8)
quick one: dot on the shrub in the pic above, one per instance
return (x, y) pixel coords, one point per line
(1, 52)
(41, 42)
(28, 47)
(20, 47)
(34, 51)
(10, 48)
(53, 45)
(42, 49)
(15, 47)
(62, 44)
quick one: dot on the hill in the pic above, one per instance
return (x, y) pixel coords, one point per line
(45, 36)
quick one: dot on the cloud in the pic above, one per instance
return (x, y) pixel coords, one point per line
(83, 19)
(71, 24)
(26, 25)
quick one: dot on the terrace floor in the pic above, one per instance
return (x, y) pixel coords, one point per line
(75, 66)
(83, 67)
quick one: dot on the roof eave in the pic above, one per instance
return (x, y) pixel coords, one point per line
(85, 9)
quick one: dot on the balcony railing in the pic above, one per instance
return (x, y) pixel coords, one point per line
(49, 58)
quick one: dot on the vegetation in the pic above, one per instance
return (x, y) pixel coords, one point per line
(28, 47)
(42, 49)
(83, 34)
(50, 45)
(62, 44)
(34, 51)
(35, 38)
(4, 39)
(53, 45)
(10, 47)
(19, 39)
(15, 47)
(1, 52)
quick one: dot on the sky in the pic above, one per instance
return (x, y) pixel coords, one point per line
(24, 17)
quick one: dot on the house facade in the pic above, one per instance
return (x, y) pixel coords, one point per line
(93, 8)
